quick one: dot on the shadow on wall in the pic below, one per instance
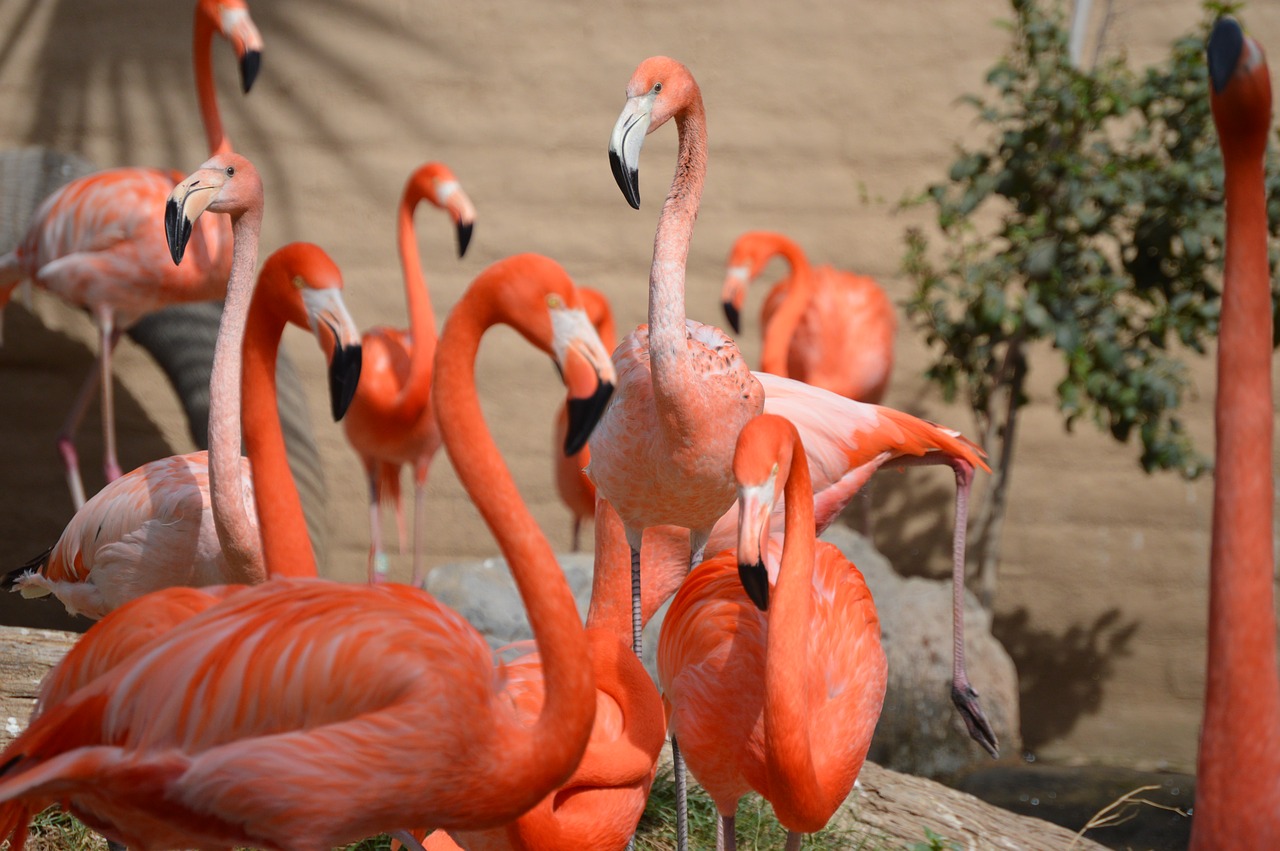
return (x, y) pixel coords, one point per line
(1061, 677)
(35, 504)
(78, 69)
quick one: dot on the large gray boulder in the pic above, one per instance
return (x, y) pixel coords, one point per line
(919, 732)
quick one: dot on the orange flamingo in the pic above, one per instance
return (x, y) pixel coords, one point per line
(574, 486)
(822, 325)
(783, 703)
(1238, 770)
(600, 804)
(391, 423)
(664, 450)
(95, 243)
(300, 680)
(153, 528)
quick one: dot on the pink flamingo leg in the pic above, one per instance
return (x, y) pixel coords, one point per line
(110, 461)
(419, 526)
(377, 558)
(726, 834)
(66, 434)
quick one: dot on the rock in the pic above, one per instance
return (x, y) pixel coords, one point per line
(920, 731)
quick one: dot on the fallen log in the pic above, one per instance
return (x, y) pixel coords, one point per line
(26, 655)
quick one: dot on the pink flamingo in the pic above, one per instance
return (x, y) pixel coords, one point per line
(1238, 770)
(301, 680)
(391, 423)
(95, 243)
(153, 527)
(822, 325)
(663, 452)
(783, 703)
(572, 484)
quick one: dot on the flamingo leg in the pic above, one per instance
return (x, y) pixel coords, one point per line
(682, 796)
(793, 841)
(726, 834)
(963, 695)
(419, 526)
(577, 529)
(66, 435)
(634, 540)
(110, 462)
(377, 558)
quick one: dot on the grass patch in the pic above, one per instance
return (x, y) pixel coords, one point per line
(755, 825)
(55, 830)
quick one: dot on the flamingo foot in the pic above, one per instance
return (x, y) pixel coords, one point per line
(966, 700)
(71, 460)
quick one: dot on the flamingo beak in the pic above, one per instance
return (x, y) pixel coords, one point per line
(239, 29)
(732, 294)
(250, 64)
(459, 205)
(326, 310)
(755, 502)
(186, 202)
(1226, 44)
(625, 143)
(587, 371)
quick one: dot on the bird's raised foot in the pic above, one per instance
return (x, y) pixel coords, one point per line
(71, 461)
(112, 471)
(966, 700)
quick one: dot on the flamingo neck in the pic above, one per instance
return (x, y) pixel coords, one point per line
(236, 533)
(555, 742)
(206, 91)
(286, 546)
(1242, 696)
(668, 338)
(787, 717)
(782, 326)
(414, 396)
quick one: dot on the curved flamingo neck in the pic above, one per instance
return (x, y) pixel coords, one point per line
(782, 326)
(237, 535)
(1237, 762)
(787, 719)
(668, 347)
(286, 546)
(556, 740)
(415, 394)
(206, 91)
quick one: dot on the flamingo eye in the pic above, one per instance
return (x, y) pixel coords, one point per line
(554, 302)
(299, 281)
(657, 87)
(231, 170)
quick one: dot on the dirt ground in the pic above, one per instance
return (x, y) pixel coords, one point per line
(821, 117)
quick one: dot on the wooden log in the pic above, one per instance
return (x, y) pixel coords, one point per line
(26, 655)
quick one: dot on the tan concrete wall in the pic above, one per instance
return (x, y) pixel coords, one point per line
(822, 115)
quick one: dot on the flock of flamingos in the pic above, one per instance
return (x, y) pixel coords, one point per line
(228, 697)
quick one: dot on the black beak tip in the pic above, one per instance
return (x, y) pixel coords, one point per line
(628, 179)
(755, 581)
(249, 67)
(1226, 43)
(464, 237)
(177, 231)
(731, 313)
(583, 416)
(344, 377)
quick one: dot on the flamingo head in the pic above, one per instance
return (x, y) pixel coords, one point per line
(660, 88)
(1240, 88)
(761, 465)
(302, 285)
(750, 254)
(231, 19)
(226, 183)
(436, 183)
(534, 295)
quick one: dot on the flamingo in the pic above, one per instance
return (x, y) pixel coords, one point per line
(663, 451)
(1238, 770)
(95, 243)
(601, 803)
(785, 702)
(230, 728)
(822, 325)
(153, 528)
(572, 484)
(390, 423)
